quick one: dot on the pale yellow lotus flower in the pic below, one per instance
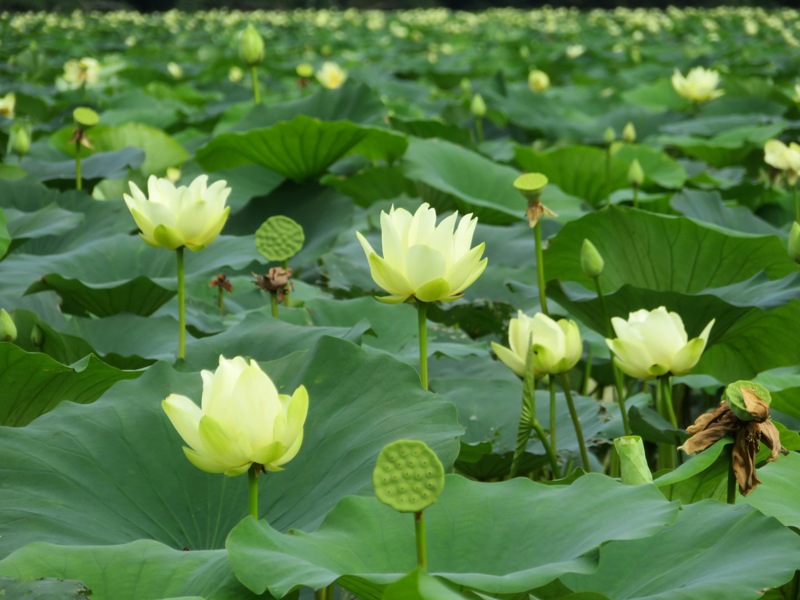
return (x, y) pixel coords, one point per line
(331, 75)
(557, 345)
(170, 217)
(422, 260)
(699, 85)
(654, 342)
(242, 420)
(85, 71)
(538, 81)
(7, 105)
(783, 157)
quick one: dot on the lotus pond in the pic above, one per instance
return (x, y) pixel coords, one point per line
(582, 231)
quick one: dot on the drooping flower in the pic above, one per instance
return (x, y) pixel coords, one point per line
(699, 85)
(654, 343)
(422, 260)
(557, 345)
(170, 217)
(242, 420)
(331, 75)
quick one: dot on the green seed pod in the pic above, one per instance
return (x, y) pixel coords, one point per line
(636, 174)
(632, 460)
(741, 393)
(478, 106)
(408, 476)
(251, 46)
(531, 185)
(8, 330)
(279, 238)
(592, 262)
(629, 133)
(794, 242)
(85, 117)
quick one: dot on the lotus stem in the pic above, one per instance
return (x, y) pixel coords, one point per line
(576, 422)
(479, 129)
(666, 452)
(636, 196)
(619, 380)
(181, 305)
(221, 300)
(796, 203)
(551, 455)
(78, 177)
(422, 329)
(252, 489)
(528, 422)
(288, 285)
(587, 373)
(419, 530)
(553, 427)
(273, 300)
(668, 406)
(537, 235)
(256, 86)
(608, 174)
(731, 491)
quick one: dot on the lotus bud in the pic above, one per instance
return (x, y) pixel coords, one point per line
(37, 336)
(251, 46)
(609, 135)
(629, 133)
(794, 242)
(478, 106)
(8, 331)
(592, 262)
(20, 139)
(632, 460)
(741, 397)
(636, 174)
(538, 81)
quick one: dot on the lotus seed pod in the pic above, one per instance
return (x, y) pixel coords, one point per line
(8, 331)
(279, 238)
(629, 133)
(408, 476)
(478, 106)
(531, 185)
(592, 262)
(632, 460)
(636, 174)
(737, 395)
(85, 117)
(251, 46)
(794, 242)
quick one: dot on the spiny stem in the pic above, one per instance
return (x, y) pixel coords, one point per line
(419, 530)
(252, 489)
(576, 422)
(181, 305)
(422, 330)
(537, 234)
(256, 86)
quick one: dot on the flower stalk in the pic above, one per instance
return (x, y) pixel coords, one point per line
(419, 531)
(252, 489)
(576, 422)
(422, 332)
(537, 234)
(181, 304)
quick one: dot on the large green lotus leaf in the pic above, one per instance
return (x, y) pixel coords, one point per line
(708, 208)
(542, 113)
(702, 477)
(659, 168)
(712, 551)
(34, 383)
(372, 185)
(50, 220)
(429, 128)
(662, 253)
(143, 570)
(779, 490)
(784, 387)
(161, 150)
(36, 335)
(300, 149)
(124, 445)
(112, 165)
(43, 589)
(472, 183)
(506, 537)
(578, 170)
(657, 95)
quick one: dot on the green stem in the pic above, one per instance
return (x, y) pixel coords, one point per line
(796, 203)
(252, 490)
(221, 300)
(548, 449)
(78, 178)
(794, 593)
(619, 379)
(419, 530)
(181, 305)
(608, 174)
(636, 196)
(587, 373)
(553, 441)
(479, 129)
(422, 330)
(537, 234)
(576, 422)
(666, 452)
(286, 291)
(256, 86)
(273, 300)
(325, 593)
(666, 381)
(731, 492)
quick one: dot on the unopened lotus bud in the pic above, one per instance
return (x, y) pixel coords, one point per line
(478, 106)
(632, 460)
(251, 46)
(748, 400)
(609, 135)
(629, 133)
(636, 174)
(538, 81)
(592, 262)
(794, 242)
(8, 331)
(37, 336)
(20, 141)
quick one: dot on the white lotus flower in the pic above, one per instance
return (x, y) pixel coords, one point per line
(331, 75)
(699, 85)
(781, 156)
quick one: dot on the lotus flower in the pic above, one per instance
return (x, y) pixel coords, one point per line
(242, 420)
(422, 260)
(331, 75)
(699, 85)
(654, 343)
